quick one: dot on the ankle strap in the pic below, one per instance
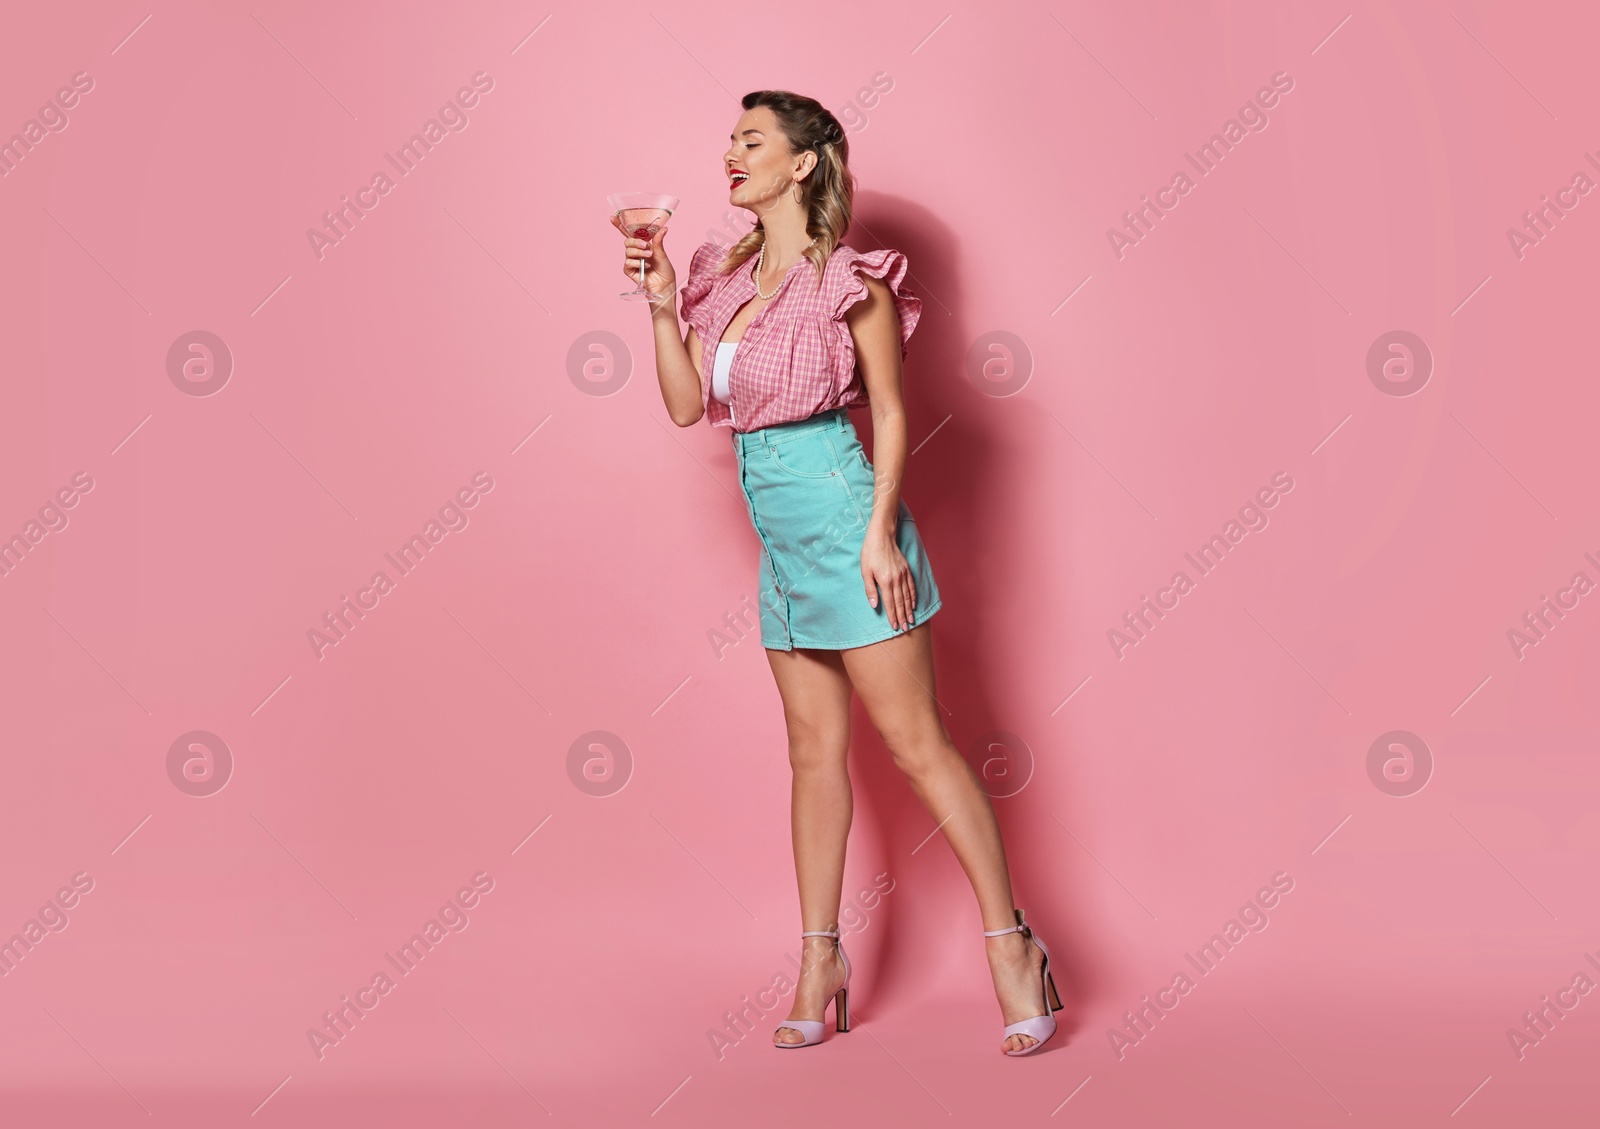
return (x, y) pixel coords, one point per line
(821, 933)
(1020, 927)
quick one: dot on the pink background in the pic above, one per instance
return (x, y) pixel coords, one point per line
(999, 145)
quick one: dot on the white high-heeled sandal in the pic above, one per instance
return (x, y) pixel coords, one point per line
(1036, 1027)
(811, 1029)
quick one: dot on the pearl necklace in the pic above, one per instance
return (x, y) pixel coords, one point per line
(756, 276)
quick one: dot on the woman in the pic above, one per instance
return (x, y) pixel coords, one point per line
(776, 351)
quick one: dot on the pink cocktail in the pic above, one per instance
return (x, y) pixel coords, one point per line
(641, 215)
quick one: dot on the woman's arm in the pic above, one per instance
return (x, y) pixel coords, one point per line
(677, 359)
(677, 365)
(875, 328)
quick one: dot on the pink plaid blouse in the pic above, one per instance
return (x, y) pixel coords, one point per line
(797, 357)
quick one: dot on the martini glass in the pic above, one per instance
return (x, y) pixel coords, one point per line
(641, 215)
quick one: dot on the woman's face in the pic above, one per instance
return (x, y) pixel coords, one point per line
(759, 148)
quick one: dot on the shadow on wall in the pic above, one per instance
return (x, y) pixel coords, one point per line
(951, 484)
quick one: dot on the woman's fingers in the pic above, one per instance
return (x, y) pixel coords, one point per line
(650, 254)
(898, 591)
(897, 597)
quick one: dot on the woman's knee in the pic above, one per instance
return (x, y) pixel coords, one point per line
(818, 749)
(919, 750)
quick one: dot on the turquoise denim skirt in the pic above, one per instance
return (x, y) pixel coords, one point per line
(809, 490)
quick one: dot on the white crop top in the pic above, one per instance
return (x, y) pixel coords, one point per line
(720, 370)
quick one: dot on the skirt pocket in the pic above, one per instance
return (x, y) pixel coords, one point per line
(811, 455)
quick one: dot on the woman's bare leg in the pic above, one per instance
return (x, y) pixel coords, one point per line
(895, 681)
(816, 710)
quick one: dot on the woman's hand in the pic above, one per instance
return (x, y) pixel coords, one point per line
(884, 567)
(659, 277)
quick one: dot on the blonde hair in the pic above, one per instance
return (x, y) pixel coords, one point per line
(825, 194)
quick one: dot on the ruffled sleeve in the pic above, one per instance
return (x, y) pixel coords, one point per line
(694, 294)
(846, 288)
